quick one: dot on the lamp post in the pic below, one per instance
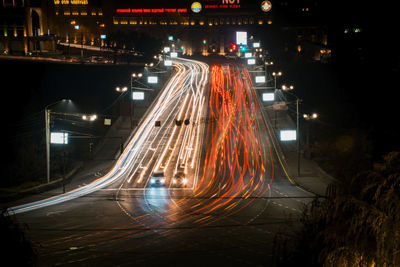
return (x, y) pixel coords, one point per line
(134, 77)
(298, 100)
(309, 118)
(266, 64)
(49, 137)
(276, 74)
(47, 128)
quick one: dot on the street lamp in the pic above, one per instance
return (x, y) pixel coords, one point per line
(276, 74)
(121, 89)
(309, 118)
(134, 77)
(92, 117)
(287, 88)
(47, 129)
(312, 116)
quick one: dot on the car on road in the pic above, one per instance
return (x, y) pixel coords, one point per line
(157, 179)
(179, 180)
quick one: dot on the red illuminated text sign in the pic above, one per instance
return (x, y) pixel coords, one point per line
(222, 6)
(152, 10)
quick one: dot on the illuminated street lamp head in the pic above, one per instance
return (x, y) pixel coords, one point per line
(310, 117)
(121, 89)
(287, 88)
(277, 74)
(92, 117)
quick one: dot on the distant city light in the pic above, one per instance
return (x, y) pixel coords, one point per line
(170, 38)
(174, 54)
(256, 45)
(103, 36)
(167, 49)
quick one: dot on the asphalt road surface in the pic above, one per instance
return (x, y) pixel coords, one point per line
(221, 197)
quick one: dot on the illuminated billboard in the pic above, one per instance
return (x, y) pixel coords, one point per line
(268, 97)
(59, 138)
(288, 135)
(260, 79)
(152, 79)
(241, 38)
(251, 61)
(137, 95)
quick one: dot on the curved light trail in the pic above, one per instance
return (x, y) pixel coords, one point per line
(188, 72)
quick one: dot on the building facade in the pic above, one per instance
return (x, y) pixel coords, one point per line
(199, 27)
(24, 27)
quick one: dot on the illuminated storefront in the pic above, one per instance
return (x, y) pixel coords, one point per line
(214, 21)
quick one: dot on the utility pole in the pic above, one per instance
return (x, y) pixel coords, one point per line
(298, 136)
(47, 126)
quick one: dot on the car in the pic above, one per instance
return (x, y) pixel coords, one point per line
(179, 180)
(157, 179)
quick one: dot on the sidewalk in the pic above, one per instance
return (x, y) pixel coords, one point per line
(312, 178)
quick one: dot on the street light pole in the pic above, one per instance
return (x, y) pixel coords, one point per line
(47, 128)
(136, 76)
(298, 136)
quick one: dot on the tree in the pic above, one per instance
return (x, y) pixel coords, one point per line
(359, 223)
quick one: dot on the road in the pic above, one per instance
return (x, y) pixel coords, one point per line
(237, 198)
